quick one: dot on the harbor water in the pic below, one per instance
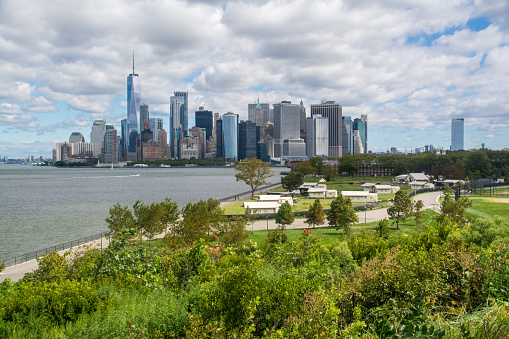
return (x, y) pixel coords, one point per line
(45, 206)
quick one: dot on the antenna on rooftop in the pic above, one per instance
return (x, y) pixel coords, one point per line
(133, 62)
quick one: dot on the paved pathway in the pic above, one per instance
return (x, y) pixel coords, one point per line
(430, 200)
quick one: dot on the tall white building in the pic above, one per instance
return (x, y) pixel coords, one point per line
(457, 134)
(97, 135)
(358, 147)
(334, 112)
(317, 136)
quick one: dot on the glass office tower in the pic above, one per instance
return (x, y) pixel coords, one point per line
(457, 134)
(133, 109)
(230, 135)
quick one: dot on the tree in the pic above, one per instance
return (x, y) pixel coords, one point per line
(316, 215)
(317, 163)
(401, 208)
(149, 218)
(305, 168)
(347, 168)
(171, 212)
(478, 161)
(292, 181)
(285, 215)
(253, 172)
(120, 218)
(341, 213)
(382, 229)
(198, 220)
(418, 206)
(329, 172)
(232, 231)
(452, 209)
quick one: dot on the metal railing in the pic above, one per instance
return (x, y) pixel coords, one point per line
(249, 192)
(60, 247)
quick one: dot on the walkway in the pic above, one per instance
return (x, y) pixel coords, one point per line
(430, 200)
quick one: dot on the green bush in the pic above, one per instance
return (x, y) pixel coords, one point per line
(55, 302)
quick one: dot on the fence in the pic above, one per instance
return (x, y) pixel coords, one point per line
(481, 188)
(424, 190)
(37, 254)
(258, 190)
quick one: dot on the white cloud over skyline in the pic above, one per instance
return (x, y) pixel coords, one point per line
(410, 66)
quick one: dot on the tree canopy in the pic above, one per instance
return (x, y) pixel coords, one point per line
(401, 208)
(285, 215)
(341, 213)
(253, 172)
(316, 215)
(292, 181)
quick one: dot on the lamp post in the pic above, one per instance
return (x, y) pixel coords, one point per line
(101, 239)
(267, 217)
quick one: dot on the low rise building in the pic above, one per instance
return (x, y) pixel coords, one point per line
(262, 207)
(360, 196)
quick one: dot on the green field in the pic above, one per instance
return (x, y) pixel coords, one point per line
(330, 235)
(484, 208)
(337, 183)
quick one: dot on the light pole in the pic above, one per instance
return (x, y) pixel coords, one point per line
(101, 239)
(267, 217)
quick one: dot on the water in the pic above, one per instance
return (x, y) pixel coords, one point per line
(46, 206)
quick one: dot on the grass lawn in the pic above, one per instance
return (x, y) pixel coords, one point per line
(338, 183)
(303, 205)
(486, 208)
(330, 235)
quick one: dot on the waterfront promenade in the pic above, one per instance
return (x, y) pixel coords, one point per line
(430, 200)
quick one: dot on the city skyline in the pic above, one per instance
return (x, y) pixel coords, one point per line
(411, 67)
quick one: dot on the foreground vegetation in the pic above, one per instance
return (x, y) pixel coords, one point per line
(446, 278)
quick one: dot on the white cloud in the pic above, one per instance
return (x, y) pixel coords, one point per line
(228, 53)
(16, 92)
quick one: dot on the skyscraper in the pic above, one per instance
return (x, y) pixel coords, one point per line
(97, 135)
(219, 139)
(178, 121)
(247, 139)
(361, 125)
(230, 135)
(156, 125)
(133, 108)
(110, 145)
(76, 137)
(332, 111)
(457, 134)
(347, 135)
(286, 126)
(144, 116)
(302, 121)
(317, 136)
(203, 119)
(266, 116)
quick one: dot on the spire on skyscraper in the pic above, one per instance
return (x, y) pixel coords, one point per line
(258, 104)
(133, 62)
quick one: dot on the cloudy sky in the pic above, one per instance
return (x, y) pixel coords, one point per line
(410, 65)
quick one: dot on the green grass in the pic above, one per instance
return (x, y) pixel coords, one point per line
(330, 235)
(483, 208)
(337, 183)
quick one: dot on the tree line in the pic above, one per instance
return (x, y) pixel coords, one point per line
(467, 165)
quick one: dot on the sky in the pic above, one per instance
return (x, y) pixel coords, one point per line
(409, 65)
